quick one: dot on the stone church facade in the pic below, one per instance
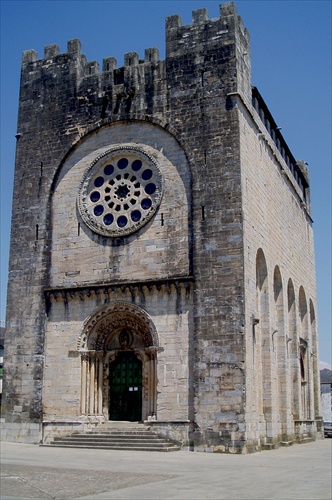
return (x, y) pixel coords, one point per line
(162, 262)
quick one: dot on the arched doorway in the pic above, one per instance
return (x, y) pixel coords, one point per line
(118, 348)
(125, 387)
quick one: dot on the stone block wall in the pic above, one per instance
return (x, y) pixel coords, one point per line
(162, 248)
(233, 221)
(171, 311)
(277, 227)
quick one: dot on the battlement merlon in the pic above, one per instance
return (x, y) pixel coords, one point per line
(51, 51)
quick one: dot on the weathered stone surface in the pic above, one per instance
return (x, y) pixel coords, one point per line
(215, 293)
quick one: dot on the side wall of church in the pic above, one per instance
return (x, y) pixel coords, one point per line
(280, 289)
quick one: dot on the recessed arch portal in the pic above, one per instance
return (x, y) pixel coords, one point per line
(113, 332)
(98, 327)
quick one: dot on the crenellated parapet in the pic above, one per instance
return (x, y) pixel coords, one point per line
(181, 38)
(73, 90)
(52, 56)
(55, 64)
(208, 49)
(206, 62)
(192, 52)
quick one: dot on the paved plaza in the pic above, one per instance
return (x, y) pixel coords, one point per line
(298, 472)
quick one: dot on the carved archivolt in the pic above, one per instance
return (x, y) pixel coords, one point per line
(118, 325)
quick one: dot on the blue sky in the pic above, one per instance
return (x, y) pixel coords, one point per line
(291, 62)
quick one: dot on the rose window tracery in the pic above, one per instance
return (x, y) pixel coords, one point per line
(120, 191)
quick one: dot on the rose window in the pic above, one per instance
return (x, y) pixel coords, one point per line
(120, 191)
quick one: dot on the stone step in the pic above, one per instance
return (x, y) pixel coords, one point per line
(117, 444)
(115, 439)
(270, 446)
(130, 438)
(124, 424)
(122, 447)
(306, 439)
(114, 433)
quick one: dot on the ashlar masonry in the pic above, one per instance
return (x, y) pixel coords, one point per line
(161, 262)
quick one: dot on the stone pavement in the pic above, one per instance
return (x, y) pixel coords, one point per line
(299, 472)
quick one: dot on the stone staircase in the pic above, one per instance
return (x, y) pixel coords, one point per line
(116, 437)
(306, 437)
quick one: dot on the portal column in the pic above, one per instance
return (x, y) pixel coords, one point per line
(100, 384)
(152, 389)
(92, 383)
(84, 361)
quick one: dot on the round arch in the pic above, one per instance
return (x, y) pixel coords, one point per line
(109, 124)
(290, 295)
(262, 380)
(152, 141)
(277, 284)
(112, 337)
(261, 270)
(101, 326)
(292, 345)
(303, 307)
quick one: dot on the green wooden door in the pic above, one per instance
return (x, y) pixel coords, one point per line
(126, 388)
